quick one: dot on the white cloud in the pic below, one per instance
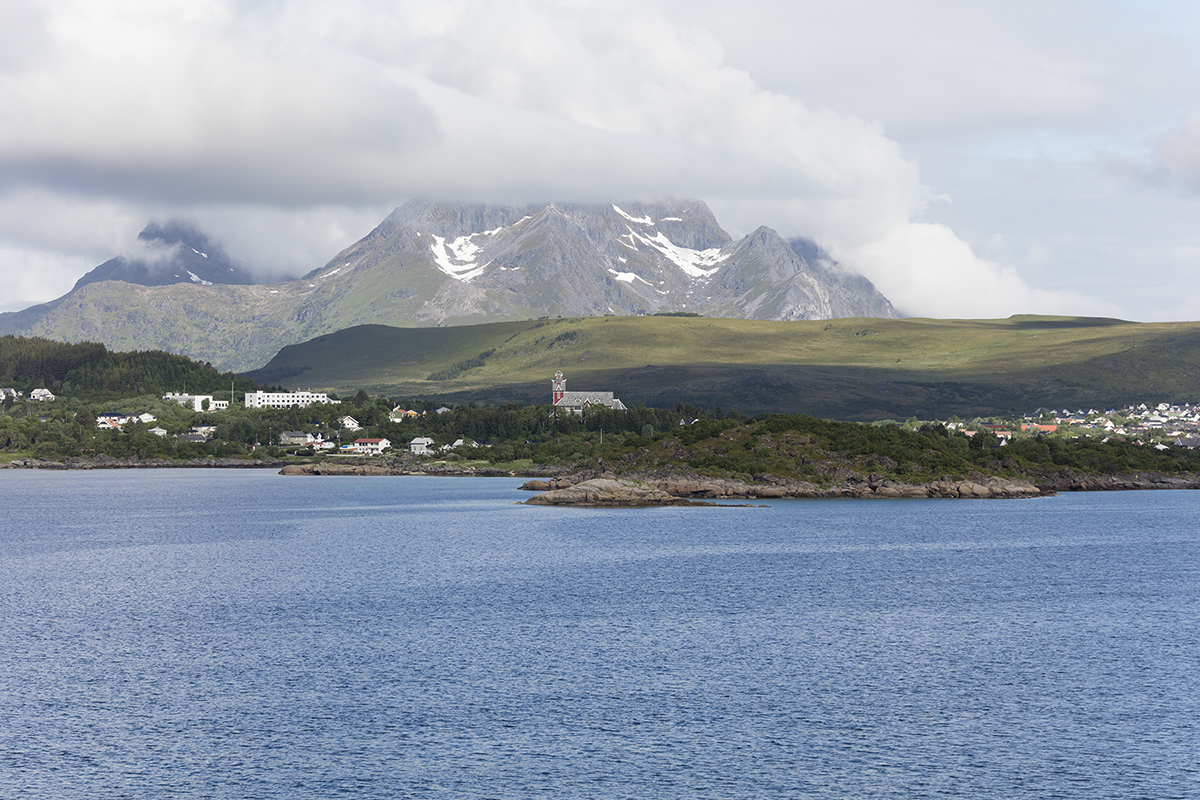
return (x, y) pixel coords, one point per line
(277, 243)
(35, 276)
(925, 270)
(179, 102)
(287, 129)
(936, 68)
(1177, 153)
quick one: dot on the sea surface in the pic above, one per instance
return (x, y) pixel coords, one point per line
(240, 634)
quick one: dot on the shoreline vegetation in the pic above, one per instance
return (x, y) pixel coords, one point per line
(99, 414)
(559, 485)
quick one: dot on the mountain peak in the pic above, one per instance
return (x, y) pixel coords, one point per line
(432, 263)
(475, 261)
(170, 251)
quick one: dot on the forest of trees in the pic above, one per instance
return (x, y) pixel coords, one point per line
(89, 370)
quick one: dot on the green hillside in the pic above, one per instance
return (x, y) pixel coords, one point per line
(848, 368)
(90, 370)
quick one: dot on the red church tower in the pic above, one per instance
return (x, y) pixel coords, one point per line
(558, 387)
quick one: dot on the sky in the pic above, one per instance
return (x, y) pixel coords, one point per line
(972, 159)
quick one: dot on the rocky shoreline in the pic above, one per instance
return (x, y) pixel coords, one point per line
(622, 493)
(557, 486)
(110, 462)
(665, 490)
(1070, 481)
(407, 468)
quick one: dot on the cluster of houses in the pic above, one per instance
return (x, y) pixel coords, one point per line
(1178, 423)
(399, 414)
(40, 395)
(563, 401)
(422, 445)
(197, 433)
(319, 443)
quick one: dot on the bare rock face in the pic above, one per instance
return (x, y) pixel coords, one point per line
(676, 490)
(605, 492)
(436, 263)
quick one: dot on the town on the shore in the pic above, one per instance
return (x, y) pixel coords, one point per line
(1159, 425)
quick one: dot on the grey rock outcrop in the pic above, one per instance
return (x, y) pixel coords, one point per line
(609, 492)
(671, 489)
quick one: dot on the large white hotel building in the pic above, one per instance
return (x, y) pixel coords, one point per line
(261, 399)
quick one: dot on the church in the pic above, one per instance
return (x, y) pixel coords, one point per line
(576, 402)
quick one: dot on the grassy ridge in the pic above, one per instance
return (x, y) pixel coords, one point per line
(849, 368)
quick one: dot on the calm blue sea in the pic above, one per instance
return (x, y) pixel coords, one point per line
(240, 634)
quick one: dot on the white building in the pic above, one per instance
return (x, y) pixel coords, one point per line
(421, 446)
(371, 447)
(446, 448)
(195, 401)
(41, 394)
(261, 399)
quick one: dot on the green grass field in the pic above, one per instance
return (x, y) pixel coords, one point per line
(847, 368)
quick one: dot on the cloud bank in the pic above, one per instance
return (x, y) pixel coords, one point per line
(287, 129)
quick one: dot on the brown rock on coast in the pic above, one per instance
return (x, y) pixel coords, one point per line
(565, 490)
(608, 492)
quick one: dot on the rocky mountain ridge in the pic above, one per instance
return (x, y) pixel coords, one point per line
(171, 252)
(433, 263)
(596, 259)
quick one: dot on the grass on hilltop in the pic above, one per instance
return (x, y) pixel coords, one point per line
(848, 368)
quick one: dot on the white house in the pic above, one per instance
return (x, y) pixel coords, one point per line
(371, 447)
(315, 441)
(446, 448)
(41, 394)
(350, 423)
(421, 446)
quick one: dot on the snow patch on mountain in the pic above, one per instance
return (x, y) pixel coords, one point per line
(197, 279)
(695, 263)
(457, 258)
(638, 220)
(628, 277)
